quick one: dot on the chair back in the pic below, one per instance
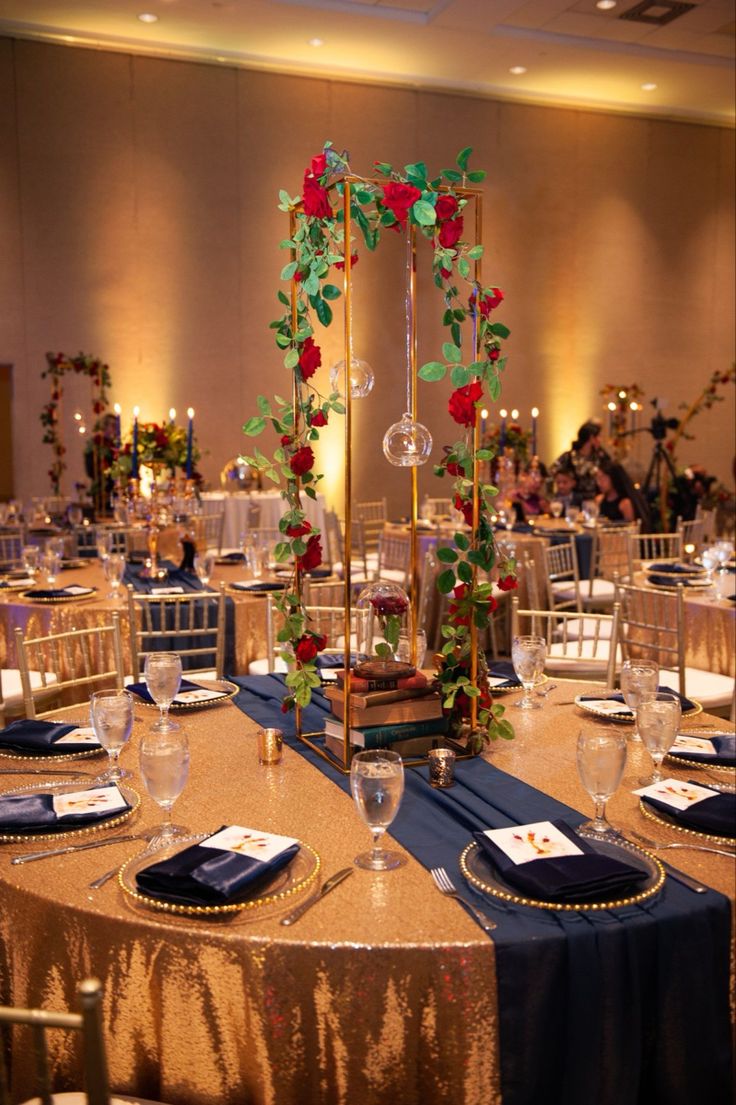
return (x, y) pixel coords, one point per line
(373, 515)
(561, 567)
(192, 625)
(209, 529)
(692, 532)
(578, 651)
(333, 545)
(39, 1021)
(394, 558)
(652, 626)
(77, 661)
(609, 557)
(653, 546)
(11, 549)
(437, 508)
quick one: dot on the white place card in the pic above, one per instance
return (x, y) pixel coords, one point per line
(77, 589)
(79, 736)
(92, 800)
(167, 590)
(678, 795)
(249, 842)
(201, 694)
(499, 680)
(606, 706)
(685, 742)
(542, 840)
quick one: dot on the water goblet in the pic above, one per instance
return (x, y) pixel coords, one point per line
(377, 784)
(75, 514)
(658, 719)
(724, 551)
(103, 544)
(710, 560)
(111, 715)
(556, 508)
(51, 566)
(639, 679)
(164, 762)
(30, 559)
(528, 654)
(253, 556)
(204, 566)
(114, 568)
(163, 676)
(601, 757)
(571, 515)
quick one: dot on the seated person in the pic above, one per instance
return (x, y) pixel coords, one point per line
(565, 488)
(586, 453)
(527, 497)
(618, 500)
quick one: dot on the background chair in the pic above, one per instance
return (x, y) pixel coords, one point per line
(373, 515)
(77, 661)
(563, 580)
(192, 625)
(609, 560)
(653, 546)
(209, 529)
(94, 1059)
(11, 549)
(575, 658)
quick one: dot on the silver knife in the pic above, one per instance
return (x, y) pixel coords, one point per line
(325, 888)
(680, 876)
(31, 856)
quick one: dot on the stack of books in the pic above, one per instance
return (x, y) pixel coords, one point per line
(383, 711)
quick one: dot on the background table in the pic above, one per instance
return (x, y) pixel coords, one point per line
(236, 506)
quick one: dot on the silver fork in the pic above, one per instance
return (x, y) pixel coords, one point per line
(544, 691)
(152, 846)
(692, 847)
(445, 885)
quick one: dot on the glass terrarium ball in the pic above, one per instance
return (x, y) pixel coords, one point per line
(407, 443)
(362, 378)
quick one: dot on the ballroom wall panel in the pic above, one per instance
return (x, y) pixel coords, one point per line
(139, 222)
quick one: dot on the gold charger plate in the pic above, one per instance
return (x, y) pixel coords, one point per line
(15, 584)
(481, 873)
(230, 689)
(663, 819)
(515, 686)
(87, 593)
(292, 880)
(626, 715)
(131, 796)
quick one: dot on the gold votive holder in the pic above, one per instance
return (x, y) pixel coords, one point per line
(441, 767)
(270, 746)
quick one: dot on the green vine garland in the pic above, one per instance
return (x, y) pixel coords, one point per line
(57, 366)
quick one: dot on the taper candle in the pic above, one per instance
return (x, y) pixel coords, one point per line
(190, 441)
(535, 416)
(134, 469)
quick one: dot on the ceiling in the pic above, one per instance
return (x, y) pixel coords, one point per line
(573, 53)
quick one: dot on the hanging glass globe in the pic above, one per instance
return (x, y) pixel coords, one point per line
(407, 443)
(362, 378)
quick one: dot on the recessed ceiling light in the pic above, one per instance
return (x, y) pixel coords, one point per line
(517, 70)
(606, 5)
(316, 42)
(648, 87)
(148, 17)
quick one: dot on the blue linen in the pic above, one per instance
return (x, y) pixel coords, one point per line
(715, 815)
(611, 1008)
(26, 735)
(142, 691)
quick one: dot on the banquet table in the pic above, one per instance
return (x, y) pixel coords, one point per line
(236, 506)
(385, 991)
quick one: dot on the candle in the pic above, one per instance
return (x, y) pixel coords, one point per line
(612, 410)
(502, 438)
(633, 407)
(134, 470)
(535, 416)
(190, 441)
(483, 423)
(118, 432)
(172, 414)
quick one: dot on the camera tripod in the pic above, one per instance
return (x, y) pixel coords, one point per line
(660, 459)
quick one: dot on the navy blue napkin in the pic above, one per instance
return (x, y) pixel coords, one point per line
(716, 815)
(40, 736)
(504, 669)
(230, 558)
(34, 813)
(142, 691)
(257, 586)
(204, 876)
(685, 703)
(53, 593)
(725, 749)
(667, 580)
(580, 878)
(676, 569)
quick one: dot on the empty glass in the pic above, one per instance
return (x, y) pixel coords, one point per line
(111, 715)
(528, 654)
(253, 556)
(658, 718)
(31, 554)
(75, 514)
(204, 566)
(163, 676)
(403, 649)
(164, 761)
(639, 680)
(377, 785)
(601, 757)
(103, 544)
(114, 568)
(571, 515)
(51, 566)
(556, 508)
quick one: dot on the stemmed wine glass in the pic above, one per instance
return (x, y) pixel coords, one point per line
(103, 544)
(163, 676)
(601, 757)
(377, 784)
(114, 568)
(111, 714)
(253, 556)
(571, 515)
(204, 566)
(528, 654)
(639, 680)
(658, 718)
(164, 764)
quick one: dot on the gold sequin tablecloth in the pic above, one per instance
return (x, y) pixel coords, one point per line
(385, 992)
(710, 634)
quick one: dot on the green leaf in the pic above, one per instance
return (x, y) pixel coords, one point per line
(311, 284)
(447, 555)
(446, 318)
(476, 175)
(462, 158)
(432, 371)
(451, 352)
(459, 314)
(254, 426)
(462, 541)
(283, 340)
(463, 267)
(263, 405)
(324, 312)
(288, 270)
(382, 167)
(452, 175)
(459, 376)
(285, 198)
(331, 292)
(446, 581)
(457, 336)
(499, 330)
(424, 213)
(283, 298)
(494, 388)
(291, 360)
(475, 252)
(417, 170)
(464, 571)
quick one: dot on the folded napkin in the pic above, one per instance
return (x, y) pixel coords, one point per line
(257, 585)
(46, 813)
(685, 703)
(610, 703)
(142, 691)
(501, 674)
(59, 592)
(230, 558)
(708, 811)
(584, 876)
(723, 745)
(667, 581)
(676, 569)
(43, 737)
(225, 866)
(16, 583)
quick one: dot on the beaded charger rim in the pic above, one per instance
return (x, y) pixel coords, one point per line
(518, 686)
(132, 797)
(651, 862)
(681, 761)
(88, 593)
(662, 819)
(626, 719)
(231, 689)
(305, 851)
(48, 760)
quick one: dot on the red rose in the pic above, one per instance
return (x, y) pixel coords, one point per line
(286, 705)
(389, 604)
(310, 358)
(465, 507)
(451, 233)
(318, 165)
(494, 353)
(462, 403)
(321, 642)
(302, 460)
(299, 531)
(445, 273)
(454, 469)
(312, 558)
(319, 418)
(305, 649)
(445, 208)
(353, 261)
(398, 198)
(286, 439)
(315, 201)
(507, 583)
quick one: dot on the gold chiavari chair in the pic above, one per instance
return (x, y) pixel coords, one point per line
(72, 663)
(193, 625)
(589, 657)
(665, 547)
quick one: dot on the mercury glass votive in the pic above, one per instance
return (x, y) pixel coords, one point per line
(270, 746)
(441, 767)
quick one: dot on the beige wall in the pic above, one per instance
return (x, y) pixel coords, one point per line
(138, 223)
